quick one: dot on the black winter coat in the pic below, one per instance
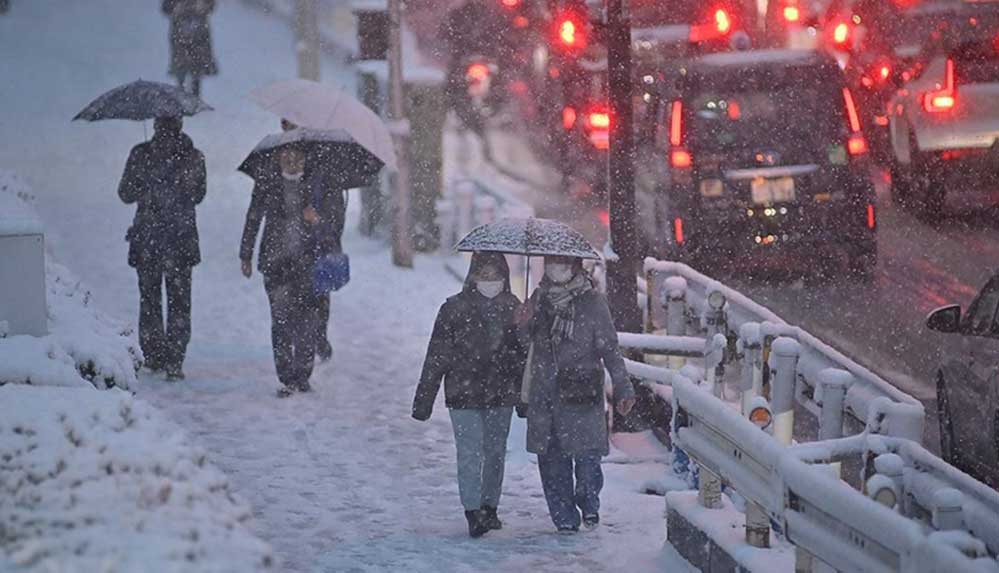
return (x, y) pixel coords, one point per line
(166, 178)
(190, 37)
(267, 207)
(476, 350)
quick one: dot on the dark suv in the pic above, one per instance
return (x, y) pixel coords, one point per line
(968, 385)
(767, 164)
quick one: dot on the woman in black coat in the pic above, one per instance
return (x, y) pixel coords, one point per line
(475, 349)
(190, 41)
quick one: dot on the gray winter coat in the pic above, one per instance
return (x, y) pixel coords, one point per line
(566, 397)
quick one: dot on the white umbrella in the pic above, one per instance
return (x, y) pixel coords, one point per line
(319, 106)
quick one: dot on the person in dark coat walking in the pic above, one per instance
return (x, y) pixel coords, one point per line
(338, 196)
(191, 55)
(292, 243)
(476, 350)
(572, 341)
(165, 177)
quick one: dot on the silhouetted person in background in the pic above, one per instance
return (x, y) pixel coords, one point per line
(191, 55)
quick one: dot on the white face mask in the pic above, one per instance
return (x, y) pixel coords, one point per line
(292, 176)
(559, 273)
(489, 289)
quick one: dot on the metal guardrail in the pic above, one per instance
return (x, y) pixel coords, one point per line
(678, 297)
(824, 517)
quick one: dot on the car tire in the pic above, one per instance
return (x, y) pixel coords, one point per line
(948, 445)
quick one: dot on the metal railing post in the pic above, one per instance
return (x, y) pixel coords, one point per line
(714, 363)
(757, 525)
(784, 367)
(768, 333)
(674, 296)
(948, 509)
(708, 489)
(752, 368)
(833, 383)
(891, 466)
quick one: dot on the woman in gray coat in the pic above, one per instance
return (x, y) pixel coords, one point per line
(476, 350)
(572, 341)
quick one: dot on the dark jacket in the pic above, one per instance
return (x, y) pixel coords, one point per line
(474, 348)
(566, 394)
(166, 177)
(267, 207)
(190, 37)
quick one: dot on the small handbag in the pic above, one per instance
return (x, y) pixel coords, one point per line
(332, 272)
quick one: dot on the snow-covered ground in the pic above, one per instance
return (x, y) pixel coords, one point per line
(338, 480)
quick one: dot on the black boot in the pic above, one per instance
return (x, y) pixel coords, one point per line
(491, 520)
(476, 524)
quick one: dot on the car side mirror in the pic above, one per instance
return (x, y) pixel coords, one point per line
(945, 319)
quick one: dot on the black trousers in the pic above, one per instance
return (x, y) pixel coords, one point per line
(294, 317)
(164, 343)
(323, 319)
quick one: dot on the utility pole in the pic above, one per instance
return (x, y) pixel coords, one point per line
(402, 242)
(622, 288)
(307, 39)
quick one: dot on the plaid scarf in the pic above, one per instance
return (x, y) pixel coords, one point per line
(562, 298)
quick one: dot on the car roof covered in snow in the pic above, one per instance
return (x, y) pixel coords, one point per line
(759, 58)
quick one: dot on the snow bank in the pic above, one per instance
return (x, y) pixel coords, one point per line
(99, 481)
(85, 347)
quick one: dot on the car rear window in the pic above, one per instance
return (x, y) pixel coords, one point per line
(976, 63)
(796, 112)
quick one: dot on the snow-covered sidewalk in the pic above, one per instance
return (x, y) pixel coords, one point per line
(340, 480)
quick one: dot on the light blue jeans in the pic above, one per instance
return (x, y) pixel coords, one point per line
(480, 439)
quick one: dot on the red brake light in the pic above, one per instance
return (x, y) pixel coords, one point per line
(676, 123)
(511, 3)
(856, 144)
(943, 99)
(871, 221)
(722, 22)
(521, 21)
(679, 158)
(841, 33)
(678, 230)
(570, 31)
(568, 117)
(792, 13)
(567, 32)
(883, 72)
(734, 110)
(477, 72)
(599, 120)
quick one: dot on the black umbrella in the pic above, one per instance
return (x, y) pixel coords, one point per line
(335, 153)
(142, 100)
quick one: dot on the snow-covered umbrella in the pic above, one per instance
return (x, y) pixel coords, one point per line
(532, 237)
(319, 106)
(347, 163)
(142, 100)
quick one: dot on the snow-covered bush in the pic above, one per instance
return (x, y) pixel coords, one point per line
(84, 345)
(99, 481)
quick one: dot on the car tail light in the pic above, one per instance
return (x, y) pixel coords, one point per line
(884, 72)
(722, 21)
(521, 21)
(599, 120)
(570, 32)
(679, 158)
(792, 13)
(871, 220)
(477, 72)
(856, 144)
(568, 117)
(841, 33)
(678, 230)
(942, 100)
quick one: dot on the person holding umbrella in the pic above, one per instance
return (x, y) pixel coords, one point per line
(476, 350)
(191, 55)
(165, 178)
(292, 202)
(572, 340)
